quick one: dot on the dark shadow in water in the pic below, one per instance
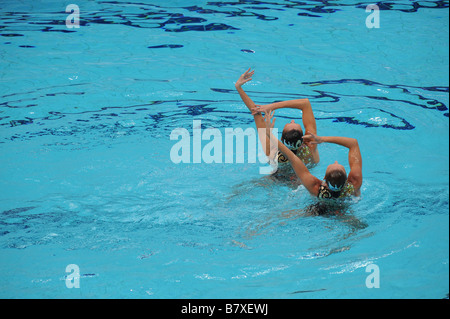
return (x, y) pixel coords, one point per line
(339, 210)
(306, 291)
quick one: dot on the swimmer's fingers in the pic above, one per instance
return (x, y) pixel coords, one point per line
(268, 116)
(245, 80)
(310, 135)
(258, 109)
(268, 119)
(248, 74)
(246, 77)
(311, 138)
(272, 121)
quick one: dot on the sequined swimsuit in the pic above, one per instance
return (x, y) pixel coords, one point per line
(325, 206)
(347, 191)
(303, 152)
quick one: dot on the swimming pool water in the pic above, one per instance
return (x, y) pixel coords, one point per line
(86, 176)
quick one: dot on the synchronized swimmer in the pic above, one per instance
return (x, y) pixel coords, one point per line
(292, 135)
(300, 150)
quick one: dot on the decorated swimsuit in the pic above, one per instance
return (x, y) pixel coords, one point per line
(347, 190)
(303, 152)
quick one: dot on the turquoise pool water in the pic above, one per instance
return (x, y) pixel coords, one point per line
(86, 176)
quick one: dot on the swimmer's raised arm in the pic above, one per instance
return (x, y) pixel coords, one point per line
(244, 78)
(348, 142)
(259, 121)
(354, 154)
(309, 121)
(300, 104)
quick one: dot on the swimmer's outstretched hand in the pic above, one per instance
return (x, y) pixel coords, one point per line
(258, 109)
(244, 78)
(311, 138)
(268, 120)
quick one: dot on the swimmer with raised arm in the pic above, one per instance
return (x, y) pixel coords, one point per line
(292, 135)
(336, 183)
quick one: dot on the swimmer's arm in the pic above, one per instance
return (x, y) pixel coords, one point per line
(347, 142)
(309, 121)
(354, 154)
(355, 161)
(244, 78)
(311, 183)
(259, 121)
(300, 104)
